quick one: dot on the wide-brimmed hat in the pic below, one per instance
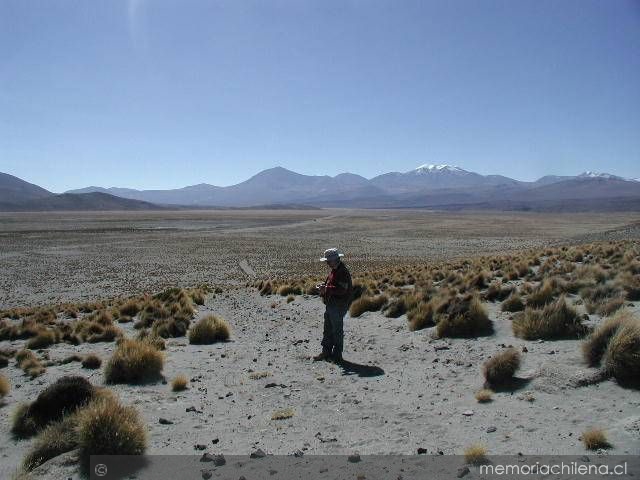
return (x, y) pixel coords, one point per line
(331, 254)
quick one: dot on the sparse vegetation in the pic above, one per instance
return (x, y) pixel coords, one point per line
(283, 414)
(484, 395)
(500, 369)
(554, 321)
(179, 383)
(134, 361)
(465, 317)
(91, 361)
(209, 329)
(595, 439)
(5, 386)
(513, 303)
(475, 454)
(367, 303)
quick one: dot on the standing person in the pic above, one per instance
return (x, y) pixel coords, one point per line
(336, 295)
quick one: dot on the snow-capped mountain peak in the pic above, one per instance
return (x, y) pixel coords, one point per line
(430, 168)
(592, 174)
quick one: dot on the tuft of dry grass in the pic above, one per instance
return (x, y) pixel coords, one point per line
(134, 361)
(130, 308)
(283, 414)
(209, 329)
(258, 375)
(421, 316)
(622, 356)
(475, 454)
(91, 361)
(595, 439)
(484, 395)
(367, 303)
(513, 303)
(542, 295)
(500, 368)
(5, 386)
(465, 317)
(56, 439)
(29, 363)
(179, 383)
(45, 338)
(290, 298)
(595, 345)
(106, 427)
(554, 321)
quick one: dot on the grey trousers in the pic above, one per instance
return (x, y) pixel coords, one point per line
(333, 335)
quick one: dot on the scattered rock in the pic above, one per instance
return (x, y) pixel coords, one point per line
(259, 453)
(164, 421)
(524, 349)
(219, 460)
(467, 413)
(199, 446)
(215, 441)
(193, 409)
(206, 474)
(354, 458)
(298, 453)
(462, 471)
(206, 457)
(422, 451)
(491, 429)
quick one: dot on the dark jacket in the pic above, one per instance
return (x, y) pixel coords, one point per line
(339, 287)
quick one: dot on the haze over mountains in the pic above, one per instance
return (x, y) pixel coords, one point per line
(432, 186)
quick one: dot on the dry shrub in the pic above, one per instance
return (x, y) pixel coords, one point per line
(367, 303)
(465, 317)
(5, 386)
(56, 439)
(62, 397)
(595, 345)
(555, 321)
(179, 383)
(106, 427)
(109, 334)
(290, 298)
(91, 361)
(500, 369)
(421, 316)
(285, 290)
(541, 296)
(513, 303)
(29, 363)
(265, 288)
(130, 308)
(609, 307)
(484, 395)
(45, 338)
(497, 292)
(398, 306)
(622, 356)
(209, 329)
(134, 361)
(125, 319)
(475, 454)
(595, 439)
(283, 414)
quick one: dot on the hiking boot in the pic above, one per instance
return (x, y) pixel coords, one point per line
(322, 356)
(336, 358)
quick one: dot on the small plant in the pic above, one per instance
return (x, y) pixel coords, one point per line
(465, 317)
(283, 414)
(106, 427)
(258, 375)
(475, 454)
(134, 361)
(290, 298)
(367, 303)
(91, 361)
(5, 386)
(500, 368)
(484, 395)
(45, 338)
(513, 303)
(421, 316)
(595, 439)
(179, 383)
(622, 356)
(595, 345)
(209, 329)
(541, 296)
(556, 320)
(56, 439)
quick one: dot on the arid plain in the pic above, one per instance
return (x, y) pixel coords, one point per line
(407, 387)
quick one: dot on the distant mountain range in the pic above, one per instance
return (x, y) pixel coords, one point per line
(428, 186)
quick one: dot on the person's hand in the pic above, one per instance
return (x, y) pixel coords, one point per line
(323, 289)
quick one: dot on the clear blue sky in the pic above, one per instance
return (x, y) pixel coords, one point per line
(167, 93)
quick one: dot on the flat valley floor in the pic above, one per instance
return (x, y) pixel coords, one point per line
(400, 390)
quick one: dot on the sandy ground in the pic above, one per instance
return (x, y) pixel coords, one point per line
(58, 257)
(402, 391)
